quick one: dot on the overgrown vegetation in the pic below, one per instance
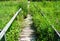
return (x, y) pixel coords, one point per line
(7, 10)
(44, 0)
(43, 29)
(14, 0)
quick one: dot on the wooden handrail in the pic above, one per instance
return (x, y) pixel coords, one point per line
(8, 24)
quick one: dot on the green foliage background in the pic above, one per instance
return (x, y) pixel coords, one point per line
(44, 31)
(42, 28)
(7, 10)
(44, 0)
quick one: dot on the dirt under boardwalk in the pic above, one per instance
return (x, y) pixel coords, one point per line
(27, 33)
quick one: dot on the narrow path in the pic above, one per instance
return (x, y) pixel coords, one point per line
(27, 33)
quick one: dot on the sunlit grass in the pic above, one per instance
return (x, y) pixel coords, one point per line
(43, 29)
(7, 10)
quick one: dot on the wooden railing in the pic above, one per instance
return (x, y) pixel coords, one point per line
(3, 32)
(42, 13)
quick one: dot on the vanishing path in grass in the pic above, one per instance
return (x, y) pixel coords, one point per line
(27, 33)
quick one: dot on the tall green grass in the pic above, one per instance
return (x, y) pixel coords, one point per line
(43, 29)
(7, 10)
(51, 10)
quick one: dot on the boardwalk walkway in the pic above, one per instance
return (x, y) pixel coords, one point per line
(27, 33)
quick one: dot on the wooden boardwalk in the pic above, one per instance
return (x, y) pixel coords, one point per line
(27, 33)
